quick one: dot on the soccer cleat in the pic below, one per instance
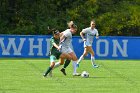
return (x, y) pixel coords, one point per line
(95, 66)
(77, 65)
(76, 74)
(44, 75)
(63, 71)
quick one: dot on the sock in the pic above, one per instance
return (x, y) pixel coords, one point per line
(48, 70)
(93, 60)
(80, 59)
(74, 66)
(56, 65)
(67, 62)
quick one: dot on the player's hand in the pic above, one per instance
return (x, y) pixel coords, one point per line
(97, 37)
(58, 48)
(84, 39)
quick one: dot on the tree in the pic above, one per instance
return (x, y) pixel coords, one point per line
(32, 17)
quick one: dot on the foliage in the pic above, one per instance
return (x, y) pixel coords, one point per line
(113, 17)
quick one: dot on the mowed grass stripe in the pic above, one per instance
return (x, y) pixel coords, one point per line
(25, 76)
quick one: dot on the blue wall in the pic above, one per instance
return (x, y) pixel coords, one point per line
(106, 47)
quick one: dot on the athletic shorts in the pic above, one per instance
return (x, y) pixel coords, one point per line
(87, 44)
(66, 49)
(54, 56)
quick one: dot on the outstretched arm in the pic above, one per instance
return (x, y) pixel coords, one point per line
(56, 46)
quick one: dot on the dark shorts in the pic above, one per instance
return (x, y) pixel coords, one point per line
(56, 54)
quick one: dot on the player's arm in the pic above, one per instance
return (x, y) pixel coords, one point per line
(62, 37)
(97, 35)
(55, 45)
(82, 35)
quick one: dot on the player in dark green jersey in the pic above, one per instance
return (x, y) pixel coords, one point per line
(55, 52)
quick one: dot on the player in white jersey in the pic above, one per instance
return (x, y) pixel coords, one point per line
(72, 29)
(66, 42)
(89, 33)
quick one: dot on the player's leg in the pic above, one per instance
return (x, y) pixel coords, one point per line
(82, 56)
(84, 53)
(67, 62)
(62, 56)
(72, 55)
(52, 60)
(74, 58)
(61, 61)
(53, 65)
(68, 58)
(92, 57)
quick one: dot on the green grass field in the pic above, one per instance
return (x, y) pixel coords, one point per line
(113, 76)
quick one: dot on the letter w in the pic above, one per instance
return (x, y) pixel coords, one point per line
(11, 44)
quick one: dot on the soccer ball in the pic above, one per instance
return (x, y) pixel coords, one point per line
(85, 74)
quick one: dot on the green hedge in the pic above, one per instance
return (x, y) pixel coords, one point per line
(27, 17)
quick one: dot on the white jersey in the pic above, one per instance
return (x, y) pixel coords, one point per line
(90, 33)
(67, 41)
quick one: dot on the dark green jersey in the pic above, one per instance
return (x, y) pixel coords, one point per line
(53, 50)
(56, 41)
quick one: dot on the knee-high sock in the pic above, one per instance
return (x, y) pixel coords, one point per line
(47, 71)
(74, 66)
(80, 59)
(67, 62)
(93, 60)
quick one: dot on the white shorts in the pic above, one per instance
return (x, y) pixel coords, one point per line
(87, 44)
(66, 49)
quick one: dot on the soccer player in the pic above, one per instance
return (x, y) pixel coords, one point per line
(67, 62)
(55, 53)
(89, 34)
(65, 39)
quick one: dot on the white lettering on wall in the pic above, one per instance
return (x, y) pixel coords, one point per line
(122, 50)
(104, 48)
(98, 47)
(32, 46)
(48, 46)
(11, 44)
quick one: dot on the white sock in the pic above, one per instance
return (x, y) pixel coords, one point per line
(93, 60)
(56, 65)
(74, 66)
(80, 59)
